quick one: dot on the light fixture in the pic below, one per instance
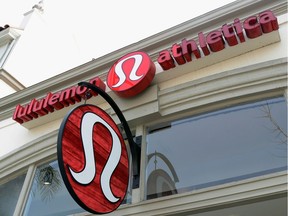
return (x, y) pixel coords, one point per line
(47, 174)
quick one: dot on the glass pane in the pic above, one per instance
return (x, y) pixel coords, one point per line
(9, 194)
(49, 195)
(128, 197)
(218, 147)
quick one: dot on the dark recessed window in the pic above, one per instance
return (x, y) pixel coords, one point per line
(49, 196)
(227, 145)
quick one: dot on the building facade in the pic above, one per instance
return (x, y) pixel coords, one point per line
(212, 125)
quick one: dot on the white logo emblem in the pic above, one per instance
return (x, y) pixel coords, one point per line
(87, 175)
(133, 76)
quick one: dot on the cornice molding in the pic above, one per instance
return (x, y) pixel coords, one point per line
(34, 151)
(10, 80)
(8, 35)
(269, 78)
(257, 189)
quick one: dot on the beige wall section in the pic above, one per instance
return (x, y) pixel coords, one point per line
(13, 135)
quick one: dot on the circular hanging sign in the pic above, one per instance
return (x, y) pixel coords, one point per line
(93, 159)
(131, 74)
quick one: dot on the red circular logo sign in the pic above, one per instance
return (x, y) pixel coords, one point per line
(93, 159)
(131, 74)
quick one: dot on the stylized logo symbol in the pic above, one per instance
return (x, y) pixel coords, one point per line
(131, 74)
(93, 159)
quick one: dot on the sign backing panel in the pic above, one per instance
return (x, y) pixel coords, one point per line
(93, 159)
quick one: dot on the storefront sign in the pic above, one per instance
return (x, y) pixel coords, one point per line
(54, 101)
(134, 72)
(93, 159)
(131, 74)
(215, 41)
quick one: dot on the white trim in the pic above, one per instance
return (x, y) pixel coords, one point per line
(25, 190)
(43, 148)
(227, 194)
(268, 76)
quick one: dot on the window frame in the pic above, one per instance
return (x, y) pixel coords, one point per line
(167, 124)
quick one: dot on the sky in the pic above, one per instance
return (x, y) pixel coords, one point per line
(111, 22)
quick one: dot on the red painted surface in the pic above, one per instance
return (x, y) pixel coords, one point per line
(71, 156)
(131, 74)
